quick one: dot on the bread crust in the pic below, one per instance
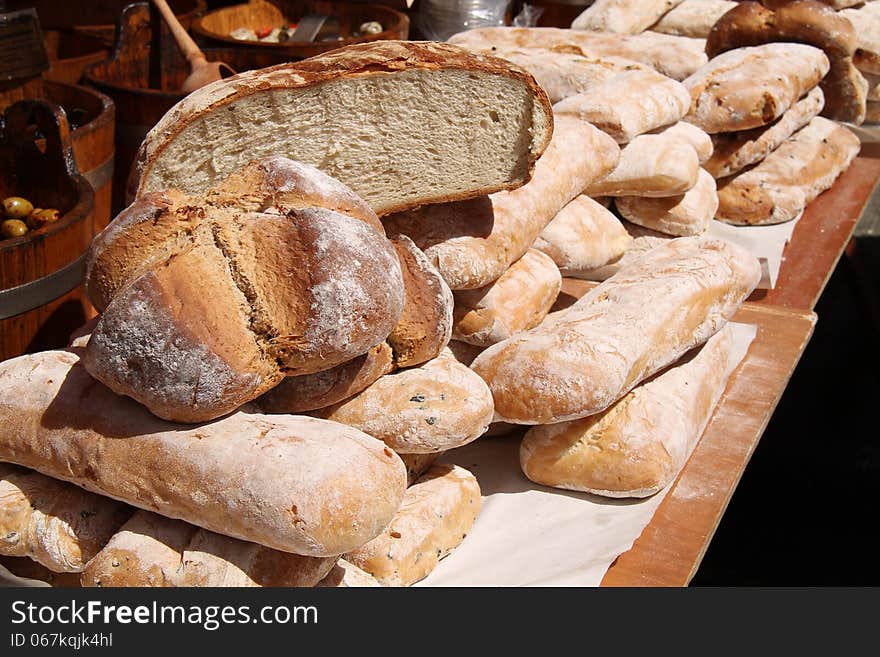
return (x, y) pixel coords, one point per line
(693, 18)
(622, 16)
(688, 214)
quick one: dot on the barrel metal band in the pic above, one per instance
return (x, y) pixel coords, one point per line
(101, 174)
(28, 296)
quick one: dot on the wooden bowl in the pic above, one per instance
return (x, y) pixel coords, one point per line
(214, 27)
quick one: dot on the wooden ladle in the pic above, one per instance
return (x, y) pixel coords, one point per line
(202, 72)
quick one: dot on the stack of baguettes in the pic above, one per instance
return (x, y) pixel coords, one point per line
(263, 395)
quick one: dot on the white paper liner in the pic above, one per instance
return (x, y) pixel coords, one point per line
(766, 243)
(531, 535)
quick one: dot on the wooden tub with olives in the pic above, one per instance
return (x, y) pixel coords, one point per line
(19, 217)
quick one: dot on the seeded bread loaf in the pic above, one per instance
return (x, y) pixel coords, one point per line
(624, 330)
(292, 483)
(622, 16)
(688, 214)
(370, 115)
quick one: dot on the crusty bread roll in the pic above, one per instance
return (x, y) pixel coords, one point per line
(472, 243)
(779, 187)
(293, 483)
(734, 151)
(688, 214)
(693, 18)
(651, 165)
(804, 21)
(750, 87)
(622, 16)
(517, 301)
(687, 132)
(674, 56)
(54, 523)
(434, 407)
(583, 236)
(629, 103)
(150, 550)
(437, 513)
(415, 95)
(638, 446)
(624, 330)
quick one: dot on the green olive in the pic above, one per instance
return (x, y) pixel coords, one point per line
(17, 207)
(40, 217)
(13, 228)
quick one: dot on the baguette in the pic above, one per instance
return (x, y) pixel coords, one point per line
(624, 330)
(622, 16)
(638, 446)
(688, 214)
(472, 243)
(437, 513)
(517, 301)
(153, 551)
(56, 524)
(267, 479)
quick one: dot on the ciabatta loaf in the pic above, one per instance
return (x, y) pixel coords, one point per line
(622, 16)
(750, 87)
(296, 484)
(437, 513)
(583, 236)
(517, 301)
(472, 243)
(699, 139)
(779, 187)
(624, 330)
(688, 214)
(675, 56)
(54, 523)
(643, 240)
(693, 18)
(402, 123)
(153, 551)
(638, 446)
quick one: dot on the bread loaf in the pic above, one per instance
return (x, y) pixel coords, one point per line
(734, 151)
(643, 240)
(866, 21)
(674, 56)
(153, 551)
(583, 236)
(638, 446)
(778, 188)
(809, 22)
(437, 513)
(750, 87)
(629, 104)
(56, 524)
(622, 16)
(347, 575)
(517, 301)
(472, 243)
(434, 407)
(688, 214)
(651, 165)
(624, 330)
(292, 483)
(693, 18)
(370, 115)
(691, 134)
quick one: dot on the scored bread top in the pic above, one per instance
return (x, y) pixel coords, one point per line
(239, 134)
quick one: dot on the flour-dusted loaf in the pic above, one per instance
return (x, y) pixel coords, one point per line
(629, 103)
(280, 270)
(638, 446)
(670, 55)
(809, 22)
(517, 301)
(583, 236)
(699, 139)
(688, 214)
(693, 18)
(434, 407)
(622, 16)
(472, 243)
(866, 21)
(402, 123)
(437, 513)
(779, 187)
(643, 240)
(154, 551)
(624, 330)
(734, 151)
(749, 87)
(54, 523)
(651, 165)
(296, 484)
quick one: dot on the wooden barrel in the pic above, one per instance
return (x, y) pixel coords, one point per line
(144, 79)
(214, 28)
(41, 295)
(70, 53)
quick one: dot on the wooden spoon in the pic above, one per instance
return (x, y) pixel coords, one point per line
(202, 72)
